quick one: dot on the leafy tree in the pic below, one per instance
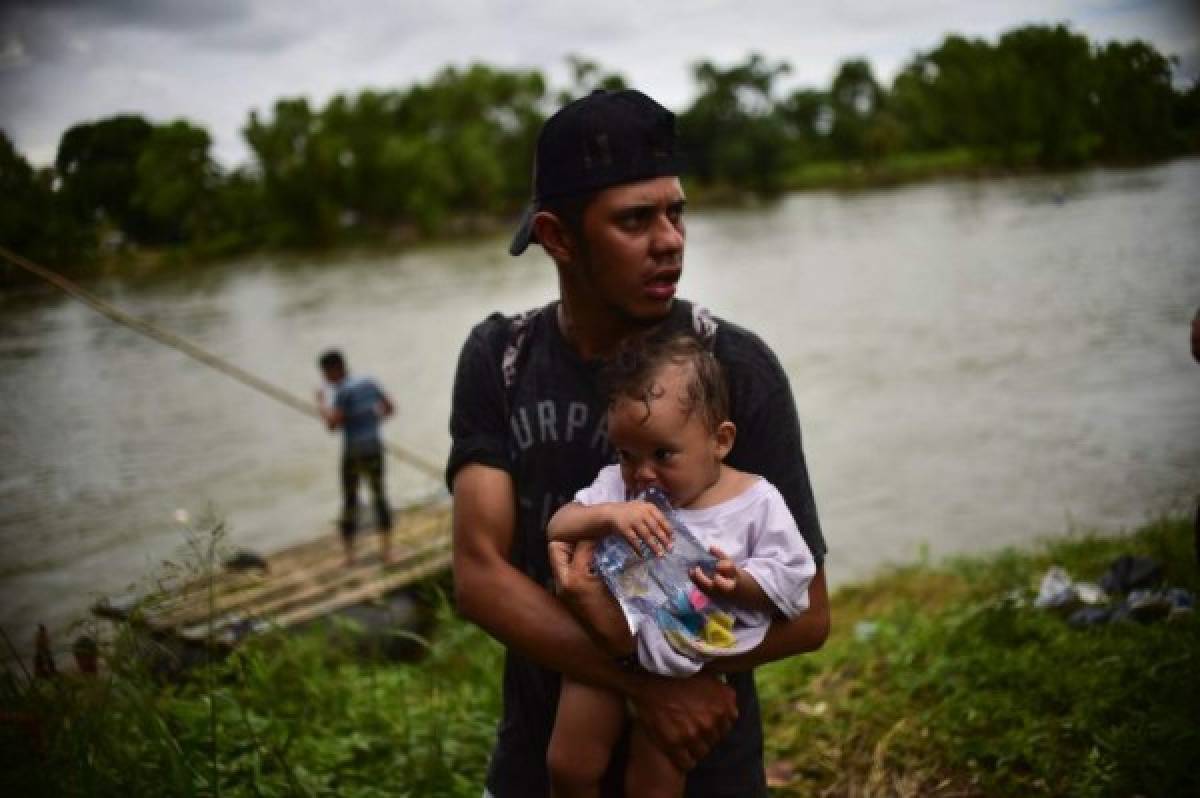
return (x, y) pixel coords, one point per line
(97, 164)
(236, 217)
(1133, 101)
(23, 200)
(951, 96)
(1186, 118)
(856, 99)
(32, 221)
(732, 133)
(384, 160)
(1034, 95)
(300, 213)
(351, 137)
(808, 117)
(1046, 79)
(176, 185)
(483, 123)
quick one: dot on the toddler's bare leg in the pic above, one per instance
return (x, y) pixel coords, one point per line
(587, 726)
(651, 773)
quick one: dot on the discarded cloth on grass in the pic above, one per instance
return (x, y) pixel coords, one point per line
(1145, 606)
(1088, 604)
(1059, 592)
(678, 628)
(1128, 573)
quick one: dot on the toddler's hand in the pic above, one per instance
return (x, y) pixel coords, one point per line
(725, 575)
(641, 522)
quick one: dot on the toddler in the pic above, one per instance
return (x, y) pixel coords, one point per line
(668, 419)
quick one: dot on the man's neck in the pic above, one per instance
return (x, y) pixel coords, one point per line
(593, 332)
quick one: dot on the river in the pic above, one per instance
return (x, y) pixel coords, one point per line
(976, 364)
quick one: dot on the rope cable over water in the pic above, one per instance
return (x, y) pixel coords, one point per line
(207, 358)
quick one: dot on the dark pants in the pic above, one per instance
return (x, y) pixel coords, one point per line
(369, 465)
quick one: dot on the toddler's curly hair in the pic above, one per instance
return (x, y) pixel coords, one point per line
(632, 373)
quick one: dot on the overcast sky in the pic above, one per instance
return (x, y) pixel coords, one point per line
(212, 61)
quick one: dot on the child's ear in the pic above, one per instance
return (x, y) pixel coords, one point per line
(724, 437)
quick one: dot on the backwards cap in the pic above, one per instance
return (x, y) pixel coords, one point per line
(604, 139)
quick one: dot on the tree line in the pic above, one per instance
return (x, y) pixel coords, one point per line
(378, 165)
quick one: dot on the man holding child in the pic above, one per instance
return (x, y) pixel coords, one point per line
(528, 429)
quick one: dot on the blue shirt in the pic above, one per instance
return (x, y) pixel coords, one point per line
(358, 398)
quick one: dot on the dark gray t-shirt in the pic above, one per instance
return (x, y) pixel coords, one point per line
(548, 431)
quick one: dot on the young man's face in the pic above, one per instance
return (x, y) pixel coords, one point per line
(632, 255)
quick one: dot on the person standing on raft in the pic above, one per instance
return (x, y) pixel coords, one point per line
(357, 405)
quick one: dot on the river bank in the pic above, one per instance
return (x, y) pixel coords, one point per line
(945, 680)
(938, 679)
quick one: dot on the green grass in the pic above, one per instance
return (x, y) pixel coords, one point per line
(294, 716)
(962, 689)
(965, 689)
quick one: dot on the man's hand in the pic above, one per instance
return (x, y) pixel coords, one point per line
(330, 415)
(686, 717)
(586, 595)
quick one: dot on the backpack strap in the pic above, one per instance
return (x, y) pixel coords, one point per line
(704, 326)
(514, 348)
(514, 352)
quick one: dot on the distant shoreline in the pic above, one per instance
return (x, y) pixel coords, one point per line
(899, 170)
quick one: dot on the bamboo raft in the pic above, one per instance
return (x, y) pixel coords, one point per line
(299, 585)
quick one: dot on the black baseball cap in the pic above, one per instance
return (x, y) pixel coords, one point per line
(604, 139)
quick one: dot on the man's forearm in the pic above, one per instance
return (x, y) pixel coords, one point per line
(535, 623)
(602, 618)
